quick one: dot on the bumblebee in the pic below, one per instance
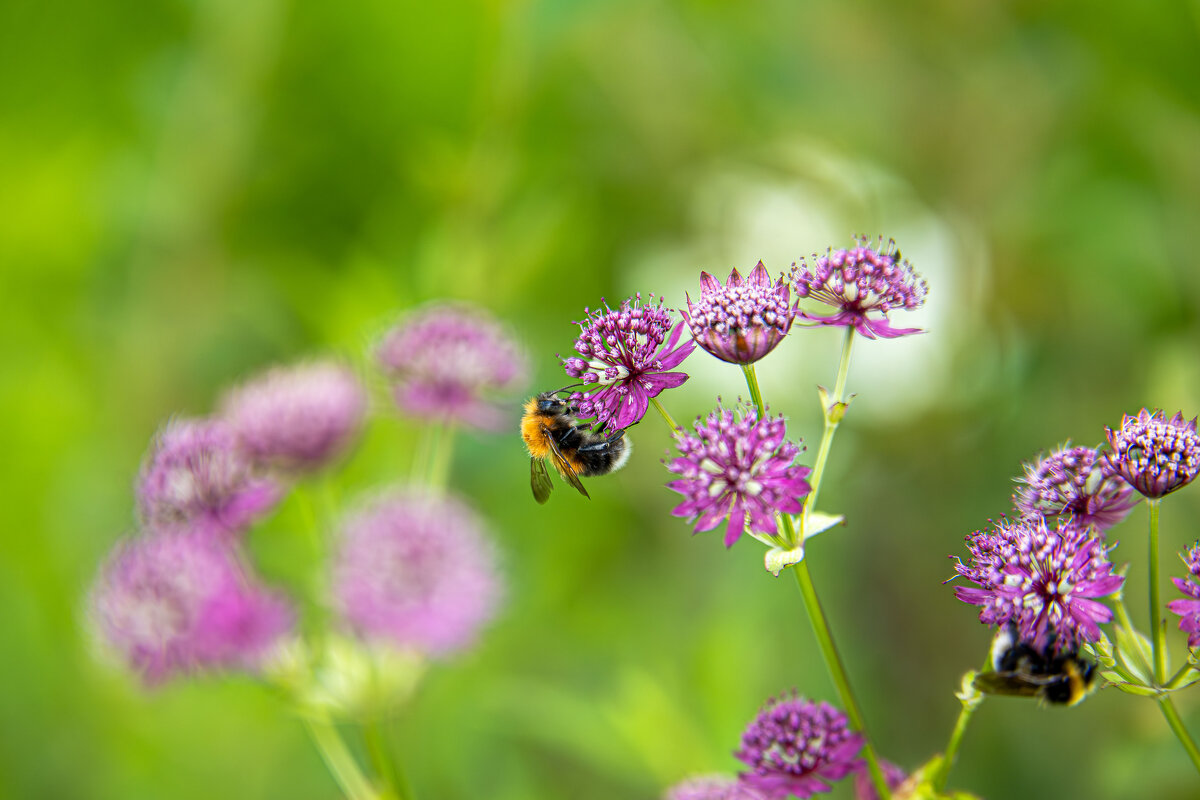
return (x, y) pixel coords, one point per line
(552, 433)
(1021, 669)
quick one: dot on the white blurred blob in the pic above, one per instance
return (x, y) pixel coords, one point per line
(813, 200)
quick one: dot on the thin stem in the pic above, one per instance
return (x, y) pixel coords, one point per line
(956, 736)
(670, 422)
(837, 670)
(443, 451)
(342, 766)
(831, 425)
(755, 391)
(1158, 635)
(1168, 709)
(385, 765)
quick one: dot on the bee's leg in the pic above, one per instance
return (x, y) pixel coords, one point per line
(569, 437)
(616, 437)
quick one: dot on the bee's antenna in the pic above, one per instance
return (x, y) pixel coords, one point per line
(563, 389)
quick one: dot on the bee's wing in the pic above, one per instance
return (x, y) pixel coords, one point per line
(562, 465)
(1014, 684)
(539, 480)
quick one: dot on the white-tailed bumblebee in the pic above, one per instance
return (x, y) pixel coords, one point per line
(1021, 669)
(552, 433)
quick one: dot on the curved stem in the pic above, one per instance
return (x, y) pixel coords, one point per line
(342, 766)
(1168, 709)
(833, 416)
(1158, 636)
(443, 451)
(837, 670)
(956, 737)
(385, 765)
(670, 422)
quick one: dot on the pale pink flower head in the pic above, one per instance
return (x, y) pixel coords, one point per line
(859, 283)
(627, 355)
(297, 418)
(447, 362)
(416, 571)
(174, 602)
(743, 320)
(197, 473)
(1154, 454)
(711, 787)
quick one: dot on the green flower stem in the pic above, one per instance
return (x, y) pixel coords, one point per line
(755, 391)
(385, 765)
(1158, 635)
(1168, 709)
(832, 419)
(670, 422)
(833, 662)
(956, 737)
(443, 452)
(342, 766)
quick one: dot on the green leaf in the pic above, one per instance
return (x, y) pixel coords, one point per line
(1133, 688)
(819, 522)
(776, 560)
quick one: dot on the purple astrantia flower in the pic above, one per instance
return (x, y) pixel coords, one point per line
(298, 417)
(1075, 482)
(175, 602)
(626, 354)
(1045, 581)
(195, 472)
(737, 466)
(864, 787)
(1189, 609)
(447, 361)
(858, 282)
(416, 571)
(796, 747)
(743, 320)
(1155, 454)
(711, 787)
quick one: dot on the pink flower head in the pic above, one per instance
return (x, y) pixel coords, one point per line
(1075, 482)
(711, 787)
(1189, 609)
(626, 355)
(1044, 581)
(299, 417)
(737, 467)
(196, 473)
(446, 363)
(743, 320)
(172, 602)
(1154, 454)
(416, 571)
(859, 282)
(797, 748)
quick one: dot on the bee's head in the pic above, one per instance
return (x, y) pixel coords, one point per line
(551, 403)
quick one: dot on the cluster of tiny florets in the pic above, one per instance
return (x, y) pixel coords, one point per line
(1154, 454)
(737, 468)
(197, 473)
(743, 320)
(1045, 580)
(445, 363)
(1074, 482)
(860, 281)
(415, 571)
(299, 417)
(796, 748)
(627, 354)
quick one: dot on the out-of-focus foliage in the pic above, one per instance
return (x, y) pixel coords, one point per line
(192, 191)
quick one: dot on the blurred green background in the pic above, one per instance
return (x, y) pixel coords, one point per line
(194, 190)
